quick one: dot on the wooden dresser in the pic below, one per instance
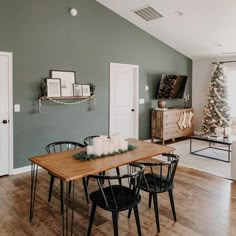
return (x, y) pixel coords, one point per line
(172, 123)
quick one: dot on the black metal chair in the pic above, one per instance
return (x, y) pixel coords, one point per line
(159, 178)
(116, 193)
(89, 140)
(60, 147)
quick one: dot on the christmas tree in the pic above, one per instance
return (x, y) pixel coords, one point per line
(216, 111)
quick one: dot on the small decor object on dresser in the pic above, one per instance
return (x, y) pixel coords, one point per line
(161, 103)
(53, 87)
(67, 81)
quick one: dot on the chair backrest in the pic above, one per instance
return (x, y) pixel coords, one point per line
(89, 140)
(61, 146)
(159, 175)
(119, 191)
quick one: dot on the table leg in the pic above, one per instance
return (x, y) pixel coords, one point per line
(34, 173)
(190, 145)
(67, 224)
(229, 153)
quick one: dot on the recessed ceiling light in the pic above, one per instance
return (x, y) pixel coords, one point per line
(179, 13)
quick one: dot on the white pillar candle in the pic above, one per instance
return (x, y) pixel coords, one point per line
(125, 145)
(97, 146)
(121, 142)
(110, 147)
(89, 149)
(105, 147)
(103, 137)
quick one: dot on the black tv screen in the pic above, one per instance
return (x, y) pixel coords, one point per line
(172, 86)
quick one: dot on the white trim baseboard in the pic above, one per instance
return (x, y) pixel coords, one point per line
(20, 170)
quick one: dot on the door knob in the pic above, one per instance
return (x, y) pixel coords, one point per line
(132, 110)
(4, 121)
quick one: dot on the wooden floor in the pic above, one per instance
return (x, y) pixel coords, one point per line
(205, 205)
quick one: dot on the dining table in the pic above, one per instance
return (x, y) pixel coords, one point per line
(68, 169)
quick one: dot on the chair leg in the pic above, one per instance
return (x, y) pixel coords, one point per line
(137, 220)
(86, 189)
(150, 200)
(115, 222)
(118, 173)
(129, 213)
(50, 188)
(172, 203)
(155, 201)
(102, 174)
(62, 199)
(91, 219)
(69, 188)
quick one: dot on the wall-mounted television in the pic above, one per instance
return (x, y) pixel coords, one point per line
(171, 86)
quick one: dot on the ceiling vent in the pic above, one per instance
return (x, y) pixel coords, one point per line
(148, 13)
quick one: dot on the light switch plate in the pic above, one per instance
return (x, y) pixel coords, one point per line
(141, 100)
(17, 107)
(146, 88)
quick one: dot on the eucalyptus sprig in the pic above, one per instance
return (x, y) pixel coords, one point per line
(83, 156)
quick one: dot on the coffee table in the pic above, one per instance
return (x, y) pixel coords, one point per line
(227, 142)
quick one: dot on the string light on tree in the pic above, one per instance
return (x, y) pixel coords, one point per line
(216, 111)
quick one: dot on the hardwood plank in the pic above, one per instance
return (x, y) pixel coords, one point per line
(205, 205)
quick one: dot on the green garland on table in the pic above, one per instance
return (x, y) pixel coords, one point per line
(83, 156)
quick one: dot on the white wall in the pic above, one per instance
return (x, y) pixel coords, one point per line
(201, 77)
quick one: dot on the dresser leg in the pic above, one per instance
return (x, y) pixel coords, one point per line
(163, 142)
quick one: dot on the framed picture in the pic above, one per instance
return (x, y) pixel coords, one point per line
(53, 87)
(77, 90)
(67, 81)
(86, 90)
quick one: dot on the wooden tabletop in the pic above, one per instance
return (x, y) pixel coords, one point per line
(66, 167)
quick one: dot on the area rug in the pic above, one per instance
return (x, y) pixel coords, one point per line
(215, 167)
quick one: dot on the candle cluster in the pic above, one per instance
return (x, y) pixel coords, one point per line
(103, 145)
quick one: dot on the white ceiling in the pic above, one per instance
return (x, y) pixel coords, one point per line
(204, 25)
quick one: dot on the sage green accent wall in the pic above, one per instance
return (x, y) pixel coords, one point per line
(43, 35)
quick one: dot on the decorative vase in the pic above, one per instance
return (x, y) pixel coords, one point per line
(219, 131)
(227, 131)
(161, 103)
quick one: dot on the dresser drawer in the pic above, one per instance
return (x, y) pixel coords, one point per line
(171, 115)
(170, 133)
(168, 124)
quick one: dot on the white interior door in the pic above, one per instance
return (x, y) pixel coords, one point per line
(5, 99)
(124, 80)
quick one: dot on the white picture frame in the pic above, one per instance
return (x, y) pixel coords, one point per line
(67, 81)
(53, 87)
(77, 90)
(86, 90)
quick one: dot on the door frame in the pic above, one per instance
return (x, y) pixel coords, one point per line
(10, 109)
(135, 95)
